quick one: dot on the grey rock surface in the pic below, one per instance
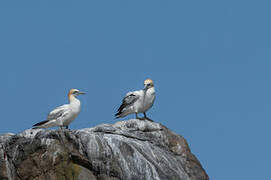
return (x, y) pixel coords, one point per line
(126, 150)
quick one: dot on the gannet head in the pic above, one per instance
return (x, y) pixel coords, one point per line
(74, 93)
(148, 83)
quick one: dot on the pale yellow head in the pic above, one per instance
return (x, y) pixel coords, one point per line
(148, 83)
(74, 93)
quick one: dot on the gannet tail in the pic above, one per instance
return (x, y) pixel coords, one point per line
(118, 115)
(40, 124)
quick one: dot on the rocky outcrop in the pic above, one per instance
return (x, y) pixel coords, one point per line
(126, 150)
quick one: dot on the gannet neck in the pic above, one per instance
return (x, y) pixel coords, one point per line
(72, 98)
(151, 89)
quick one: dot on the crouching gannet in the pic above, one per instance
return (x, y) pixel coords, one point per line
(138, 101)
(63, 115)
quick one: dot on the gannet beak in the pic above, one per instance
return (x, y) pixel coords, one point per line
(80, 92)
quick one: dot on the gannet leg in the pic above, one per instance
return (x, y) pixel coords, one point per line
(145, 116)
(66, 127)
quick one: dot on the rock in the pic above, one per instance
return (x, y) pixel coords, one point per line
(126, 150)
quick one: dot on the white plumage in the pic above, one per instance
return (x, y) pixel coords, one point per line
(63, 115)
(138, 101)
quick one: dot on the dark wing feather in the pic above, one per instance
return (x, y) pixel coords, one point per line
(127, 101)
(55, 115)
(40, 123)
(57, 112)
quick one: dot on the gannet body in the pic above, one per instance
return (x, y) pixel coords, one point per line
(138, 101)
(63, 115)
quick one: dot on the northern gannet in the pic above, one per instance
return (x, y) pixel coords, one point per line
(63, 115)
(138, 101)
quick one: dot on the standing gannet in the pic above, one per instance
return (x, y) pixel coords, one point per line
(138, 101)
(63, 115)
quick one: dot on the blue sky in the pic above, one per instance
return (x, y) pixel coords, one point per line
(210, 62)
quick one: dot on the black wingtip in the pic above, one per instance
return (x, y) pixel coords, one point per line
(117, 115)
(40, 123)
(122, 106)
